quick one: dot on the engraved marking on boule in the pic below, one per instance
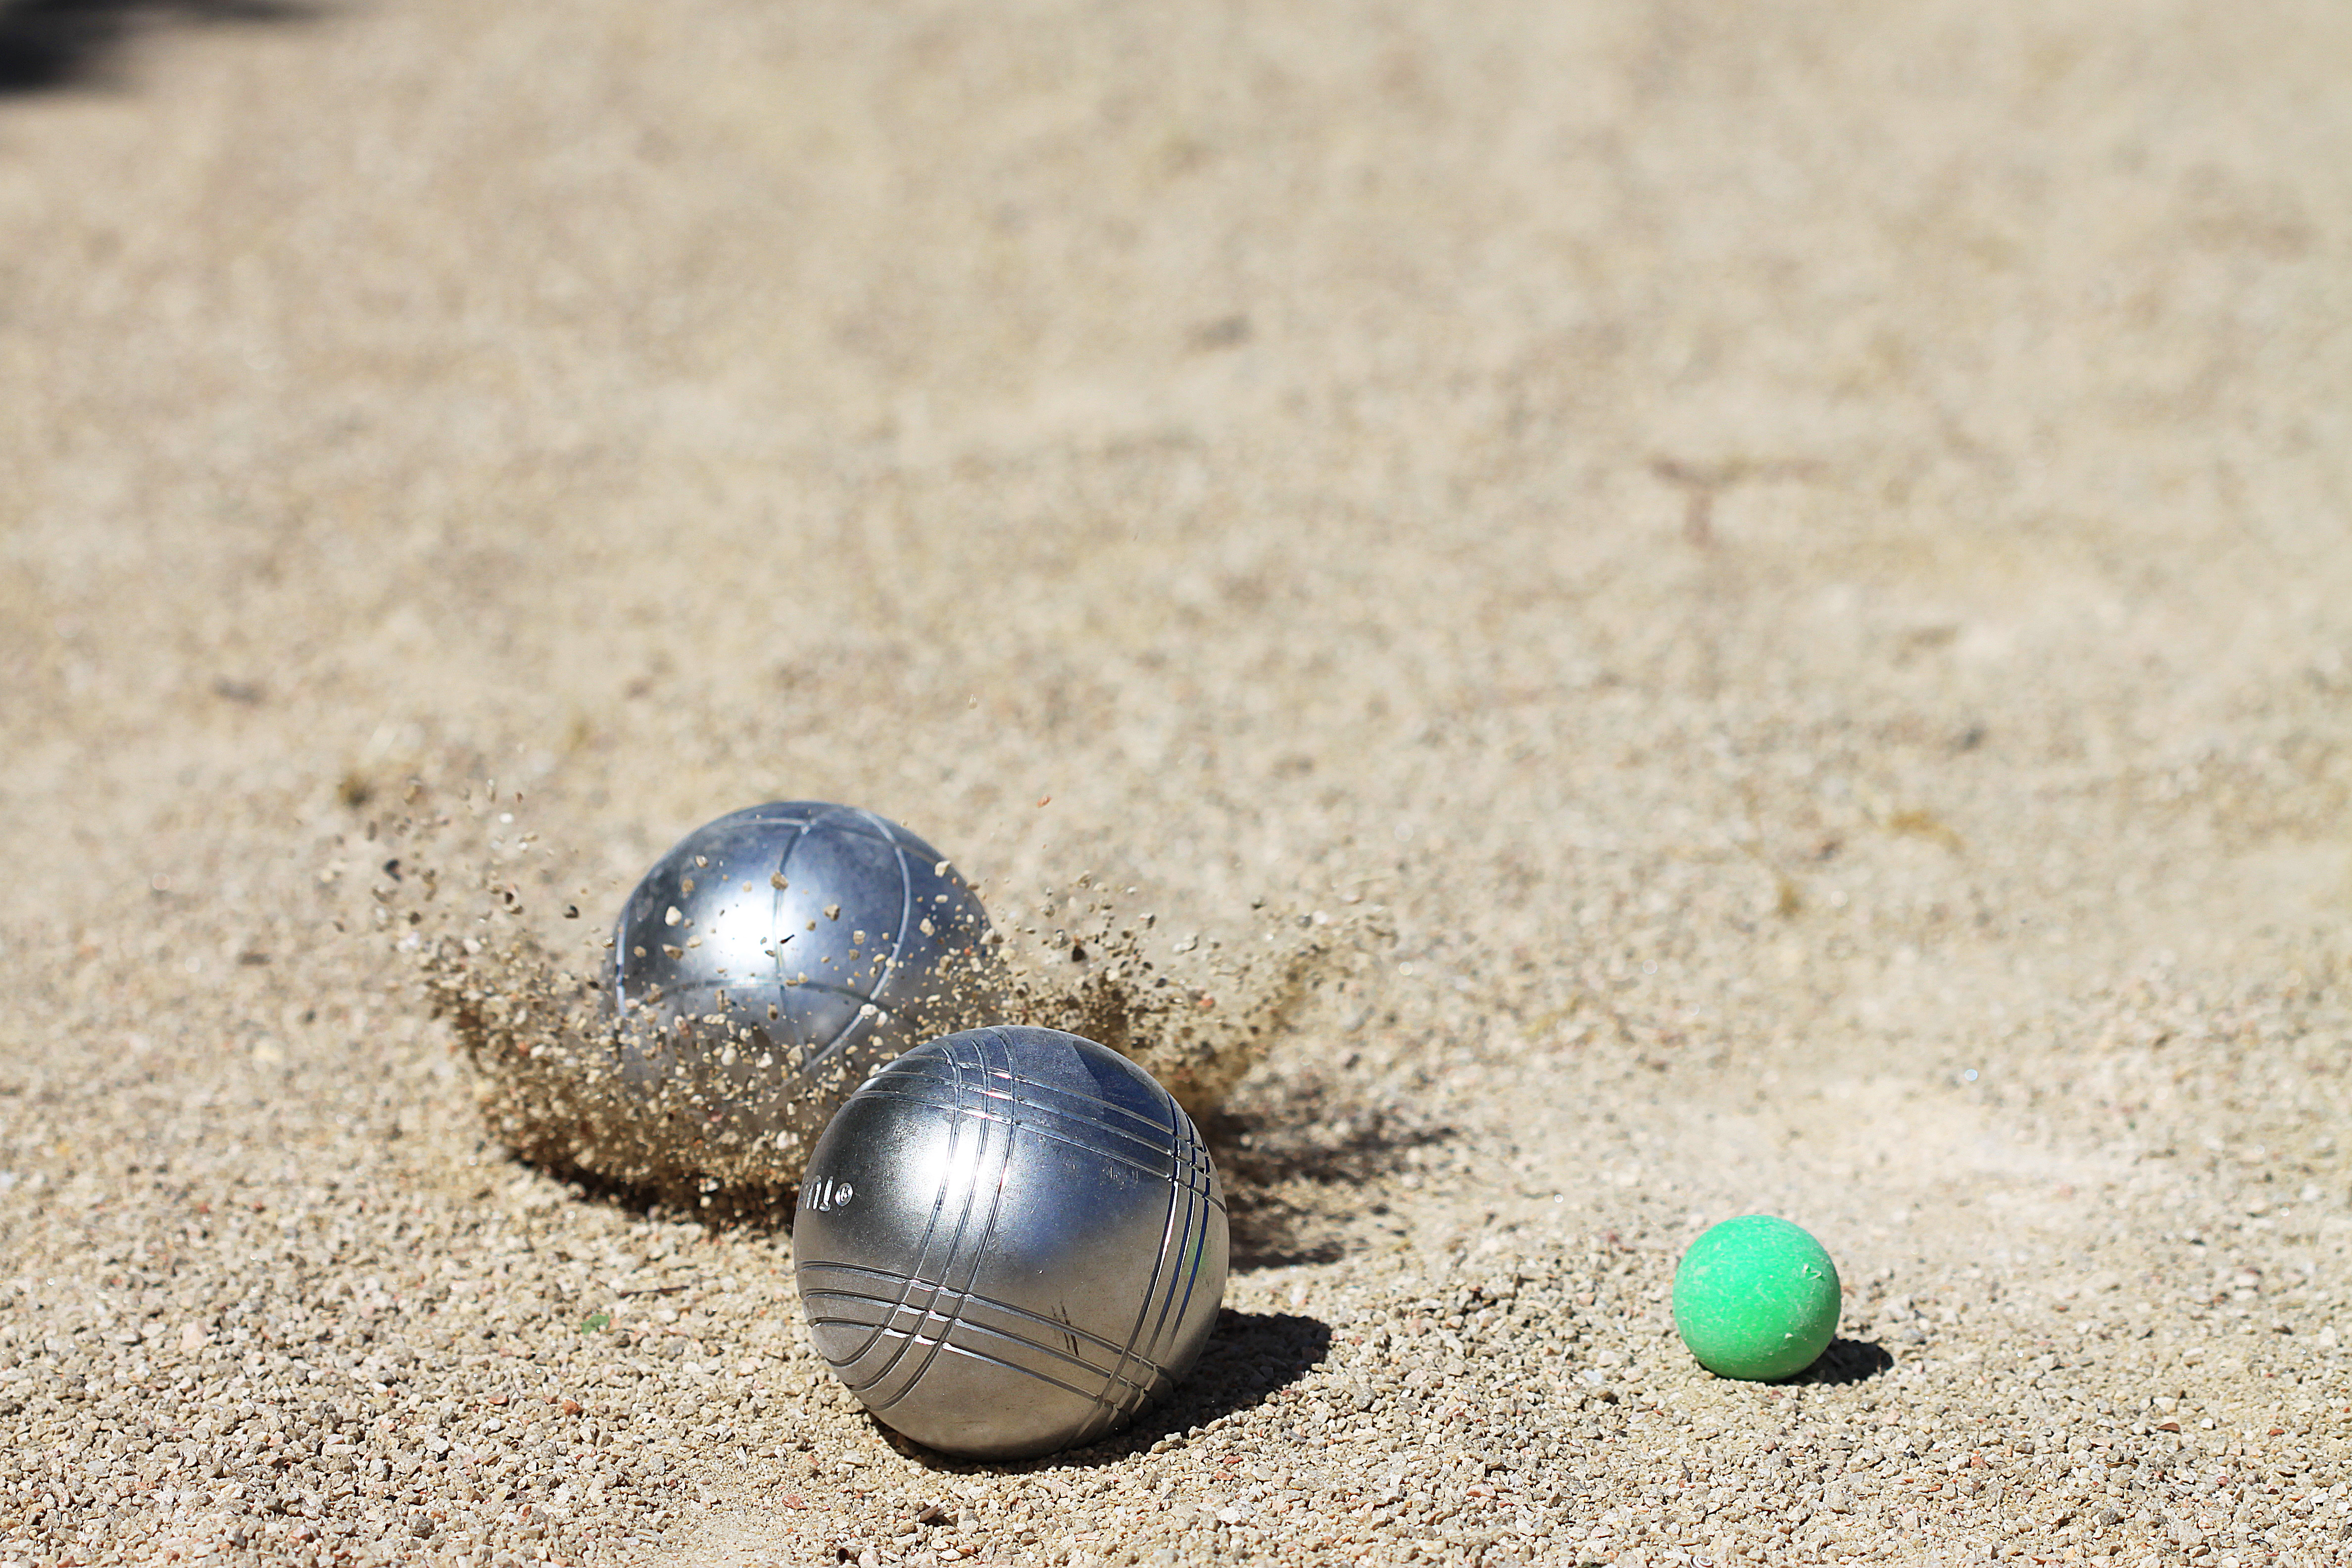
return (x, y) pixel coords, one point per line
(823, 1197)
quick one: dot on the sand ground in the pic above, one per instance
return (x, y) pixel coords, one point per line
(1779, 575)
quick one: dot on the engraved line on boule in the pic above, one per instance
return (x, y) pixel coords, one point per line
(776, 890)
(1155, 1148)
(882, 1297)
(979, 1355)
(949, 1169)
(1109, 1411)
(1159, 1171)
(922, 1246)
(1057, 1096)
(1162, 1126)
(1020, 1083)
(1183, 1210)
(910, 1282)
(1194, 1256)
(965, 1323)
(842, 991)
(981, 1044)
(1176, 1193)
(863, 1021)
(972, 1191)
(978, 1251)
(875, 824)
(1191, 1249)
(1158, 1155)
(906, 916)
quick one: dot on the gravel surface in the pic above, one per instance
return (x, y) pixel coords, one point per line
(1671, 616)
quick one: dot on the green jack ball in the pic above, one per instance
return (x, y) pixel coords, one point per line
(1756, 1298)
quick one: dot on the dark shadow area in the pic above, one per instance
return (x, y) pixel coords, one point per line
(1291, 1166)
(1271, 1233)
(50, 44)
(1249, 1357)
(1264, 1148)
(1847, 1360)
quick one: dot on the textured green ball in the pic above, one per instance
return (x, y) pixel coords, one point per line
(1756, 1298)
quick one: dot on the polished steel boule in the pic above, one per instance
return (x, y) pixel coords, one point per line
(1010, 1240)
(775, 957)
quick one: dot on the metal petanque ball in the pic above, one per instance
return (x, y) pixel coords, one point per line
(773, 958)
(1010, 1241)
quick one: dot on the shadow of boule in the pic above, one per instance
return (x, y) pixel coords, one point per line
(1291, 1163)
(1847, 1361)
